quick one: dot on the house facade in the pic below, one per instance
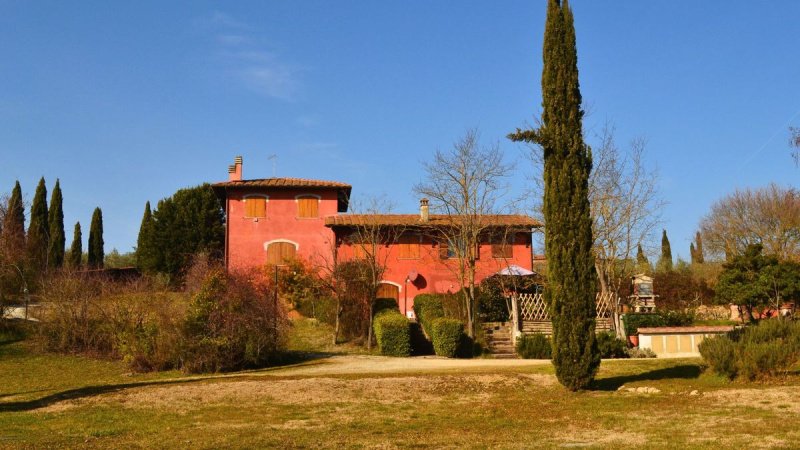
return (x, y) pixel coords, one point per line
(270, 220)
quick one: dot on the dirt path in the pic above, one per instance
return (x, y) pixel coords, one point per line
(365, 364)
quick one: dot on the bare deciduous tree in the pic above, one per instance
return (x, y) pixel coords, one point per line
(466, 184)
(769, 216)
(370, 237)
(794, 141)
(625, 205)
(626, 208)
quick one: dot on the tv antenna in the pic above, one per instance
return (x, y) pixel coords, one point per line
(273, 157)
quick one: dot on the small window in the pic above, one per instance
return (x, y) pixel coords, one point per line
(409, 247)
(448, 250)
(307, 206)
(502, 247)
(278, 253)
(255, 206)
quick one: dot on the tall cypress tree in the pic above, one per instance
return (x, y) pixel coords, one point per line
(698, 249)
(642, 263)
(96, 252)
(55, 219)
(665, 262)
(76, 249)
(12, 237)
(146, 247)
(37, 239)
(692, 253)
(568, 236)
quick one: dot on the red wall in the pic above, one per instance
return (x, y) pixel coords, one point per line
(436, 275)
(246, 237)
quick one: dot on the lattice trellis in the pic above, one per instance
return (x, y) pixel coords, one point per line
(605, 305)
(532, 307)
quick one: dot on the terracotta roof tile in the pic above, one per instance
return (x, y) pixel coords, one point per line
(282, 183)
(349, 220)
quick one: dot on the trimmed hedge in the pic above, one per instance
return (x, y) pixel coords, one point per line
(385, 304)
(768, 349)
(392, 331)
(534, 346)
(447, 336)
(428, 307)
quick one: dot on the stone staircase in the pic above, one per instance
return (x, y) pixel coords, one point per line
(498, 339)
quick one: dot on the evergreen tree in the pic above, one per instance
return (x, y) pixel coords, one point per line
(37, 239)
(76, 249)
(12, 243)
(698, 249)
(55, 251)
(146, 250)
(188, 223)
(665, 262)
(642, 263)
(96, 253)
(12, 237)
(568, 237)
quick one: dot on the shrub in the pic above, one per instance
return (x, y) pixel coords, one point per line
(427, 308)
(132, 321)
(447, 336)
(610, 346)
(534, 346)
(232, 323)
(392, 331)
(719, 353)
(492, 304)
(384, 304)
(768, 349)
(637, 352)
(661, 319)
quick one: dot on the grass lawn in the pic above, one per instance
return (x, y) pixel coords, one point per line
(67, 401)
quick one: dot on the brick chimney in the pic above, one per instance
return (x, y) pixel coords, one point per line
(424, 215)
(235, 170)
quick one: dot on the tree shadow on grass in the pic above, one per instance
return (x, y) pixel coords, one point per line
(684, 371)
(287, 360)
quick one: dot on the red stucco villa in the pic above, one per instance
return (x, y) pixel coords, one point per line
(272, 219)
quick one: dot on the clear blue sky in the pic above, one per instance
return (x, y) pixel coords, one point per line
(128, 101)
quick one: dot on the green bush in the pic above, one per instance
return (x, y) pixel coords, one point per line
(447, 336)
(492, 304)
(768, 349)
(428, 307)
(636, 352)
(534, 346)
(719, 353)
(392, 331)
(384, 304)
(610, 346)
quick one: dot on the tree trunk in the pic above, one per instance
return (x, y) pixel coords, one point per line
(336, 325)
(471, 301)
(369, 332)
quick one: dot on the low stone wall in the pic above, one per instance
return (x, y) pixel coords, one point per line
(677, 342)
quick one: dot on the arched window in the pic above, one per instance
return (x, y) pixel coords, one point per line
(279, 252)
(255, 206)
(307, 206)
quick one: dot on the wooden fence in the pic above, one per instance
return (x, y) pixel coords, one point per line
(534, 317)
